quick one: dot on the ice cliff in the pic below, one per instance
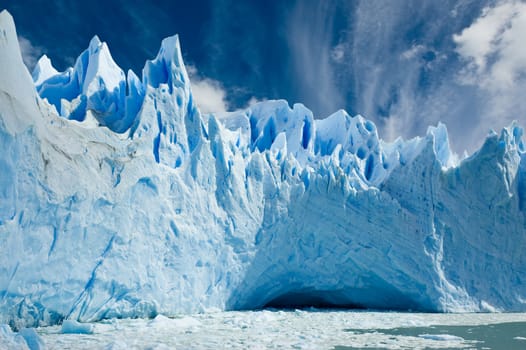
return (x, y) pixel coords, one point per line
(119, 199)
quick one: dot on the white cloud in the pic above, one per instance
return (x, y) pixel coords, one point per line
(253, 100)
(209, 94)
(338, 53)
(495, 51)
(494, 45)
(406, 78)
(413, 52)
(30, 52)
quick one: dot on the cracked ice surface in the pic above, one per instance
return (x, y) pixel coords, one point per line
(119, 199)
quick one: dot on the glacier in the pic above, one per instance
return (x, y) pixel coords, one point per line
(118, 198)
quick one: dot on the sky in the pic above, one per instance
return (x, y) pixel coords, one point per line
(404, 64)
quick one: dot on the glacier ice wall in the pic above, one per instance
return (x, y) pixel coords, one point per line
(119, 199)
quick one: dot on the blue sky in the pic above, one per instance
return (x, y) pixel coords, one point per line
(405, 64)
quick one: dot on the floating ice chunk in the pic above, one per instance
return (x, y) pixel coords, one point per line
(75, 327)
(441, 337)
(161, 321)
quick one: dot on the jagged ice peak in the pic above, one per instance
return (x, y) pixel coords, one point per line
(118, 198)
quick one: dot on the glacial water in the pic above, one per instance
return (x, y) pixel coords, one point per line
(301, 329)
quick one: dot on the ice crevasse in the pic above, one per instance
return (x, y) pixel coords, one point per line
(118, 198)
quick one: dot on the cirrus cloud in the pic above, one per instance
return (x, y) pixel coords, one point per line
(30, 53)
(494, 46)
(495, 55)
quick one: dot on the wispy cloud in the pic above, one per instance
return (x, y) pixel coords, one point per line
(367, 57)
(494, 47)
(401, 65)
(393, 60)
(209, 94)
(30, 53)
(494, 50)
(253, 100)
(310, 38)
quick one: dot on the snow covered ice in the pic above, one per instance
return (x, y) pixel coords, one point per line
(301, 329)
(118, 198)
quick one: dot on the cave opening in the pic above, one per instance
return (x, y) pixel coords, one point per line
(311, 299)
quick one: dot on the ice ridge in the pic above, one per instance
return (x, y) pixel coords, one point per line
(118, 198)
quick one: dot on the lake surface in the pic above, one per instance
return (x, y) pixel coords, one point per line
(301, 329)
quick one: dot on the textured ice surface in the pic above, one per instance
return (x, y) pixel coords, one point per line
(119, 199)
(74, 327)
(295, 329)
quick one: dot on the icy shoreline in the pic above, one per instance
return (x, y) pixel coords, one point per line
(298, 329)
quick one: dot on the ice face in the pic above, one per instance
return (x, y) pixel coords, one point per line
(119, 199)
(96, 85)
